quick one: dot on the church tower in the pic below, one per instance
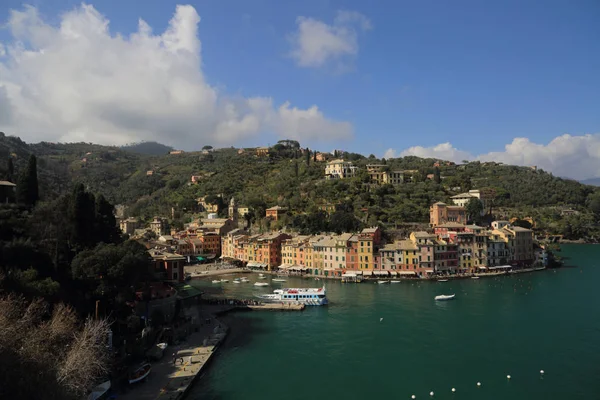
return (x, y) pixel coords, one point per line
(233, 211)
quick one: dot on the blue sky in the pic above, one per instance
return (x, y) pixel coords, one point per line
(475, 74)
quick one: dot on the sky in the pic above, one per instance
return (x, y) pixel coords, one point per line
(511, 81)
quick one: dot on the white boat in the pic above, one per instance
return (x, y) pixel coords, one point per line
(382, 282)
(99, 391)
(261, 284)
(237, 282)
(216, 281)
(224, 280)
(444, 297)
(278, 280)
(308, 296)
(162, 346)
(140, 374)
(442, 280)
(395, 281)
(474, 277)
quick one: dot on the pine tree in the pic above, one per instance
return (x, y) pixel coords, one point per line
(296, 168)
(27, 185)
(315, 156)
(10, 174)
(307, 156)
(437, 178)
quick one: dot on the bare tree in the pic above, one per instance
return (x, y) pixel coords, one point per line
(48, 353)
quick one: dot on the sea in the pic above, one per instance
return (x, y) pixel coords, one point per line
(394, 341)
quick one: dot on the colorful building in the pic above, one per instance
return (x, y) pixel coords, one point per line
(168, 266)
(275, 213)
(340, 169)
(441, 213)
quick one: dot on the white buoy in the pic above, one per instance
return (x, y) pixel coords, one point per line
(413, 397)
(478, 383)
(380, 319)
(431, 394)
(507, 376)
(453, 390)
(542, 372)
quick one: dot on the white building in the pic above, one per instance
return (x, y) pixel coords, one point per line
(340, 169)
(463, 198)
(499, 224)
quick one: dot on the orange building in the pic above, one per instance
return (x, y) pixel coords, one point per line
(169, 266)
(441, 213)
(211, 243)
(275, 212)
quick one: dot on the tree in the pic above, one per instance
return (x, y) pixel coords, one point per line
(522, 223)
(207, 147)
(474, 209)
(594, 203)
(60, 358)
(27, 185)
(296, 169)
(437, 176)
(307, 156)
(315, 156)
(10, 170)
(174, 184)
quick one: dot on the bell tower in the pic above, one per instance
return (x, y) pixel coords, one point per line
(233, 210)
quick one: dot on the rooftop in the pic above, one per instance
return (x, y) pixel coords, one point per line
(463, 195)
(451, 225)
(276, 208)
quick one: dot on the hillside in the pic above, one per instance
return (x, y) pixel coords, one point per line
(153, 185)
(148, 148)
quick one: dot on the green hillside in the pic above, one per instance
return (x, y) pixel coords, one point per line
(291, 179)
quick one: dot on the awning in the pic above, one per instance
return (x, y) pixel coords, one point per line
(407, 272)
(380, 272)
(429, 271)
(393, 273)
(482, 267)
(501, 267)
(368, 273)
(349, 275)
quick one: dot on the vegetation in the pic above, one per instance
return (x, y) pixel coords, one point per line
(291, 177)
(47, 353)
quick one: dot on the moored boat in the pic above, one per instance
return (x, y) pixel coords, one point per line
(261, 284)
(395, 281)
(224, 280)
(140, 374)
(237, 282)
(307, 296)
(278, 280)
(382, 282)
(442, 280)
(100, 391)
(444, 297)
(474, 277)
(216, 281)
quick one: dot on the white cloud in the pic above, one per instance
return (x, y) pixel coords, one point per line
(390, 153)
(78, 81)
(577, 157)
(315, 43)
(444, 151)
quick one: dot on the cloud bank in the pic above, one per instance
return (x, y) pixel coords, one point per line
(316, 43)
(79, 82)
(577, 157)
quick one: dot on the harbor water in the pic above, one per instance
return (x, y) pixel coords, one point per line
(394, 341)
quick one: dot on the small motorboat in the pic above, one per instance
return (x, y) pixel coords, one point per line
(262, 277)
(382, 282)
(261, 284)
(444, 297)
(278, 280)
(224, 280)
(237, 282)
(442, 280)
(474, 277)
(395, 281)
(99, 391)
(140, 374)
(216, 281)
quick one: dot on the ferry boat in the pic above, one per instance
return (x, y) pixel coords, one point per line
(308, 296)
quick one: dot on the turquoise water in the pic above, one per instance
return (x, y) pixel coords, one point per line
(515, 325)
